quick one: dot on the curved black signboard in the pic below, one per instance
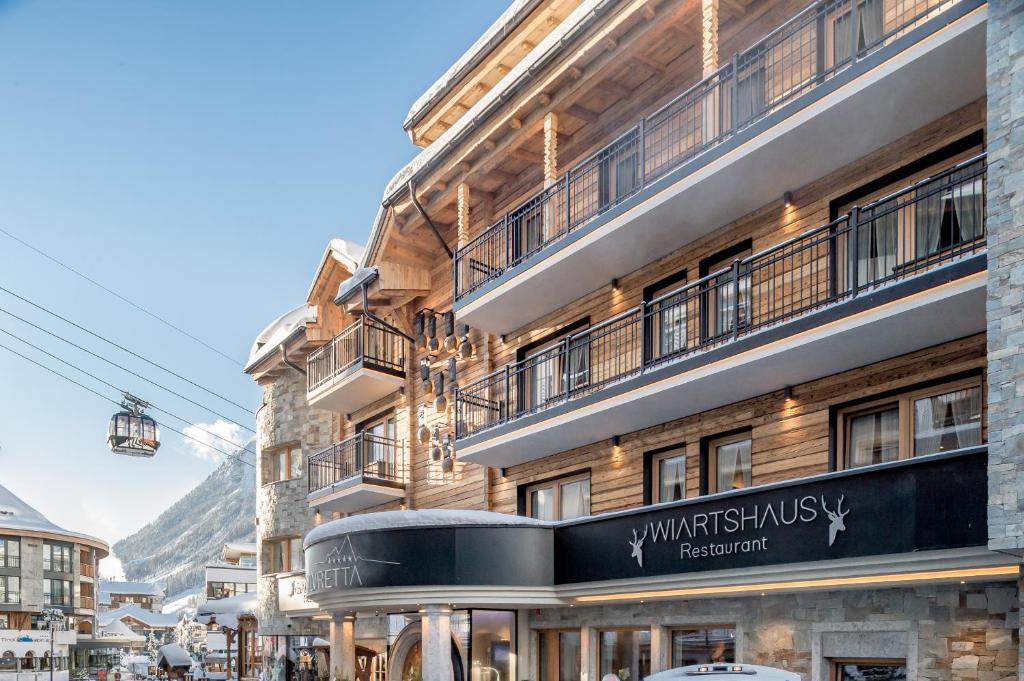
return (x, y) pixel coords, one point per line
(918, 505)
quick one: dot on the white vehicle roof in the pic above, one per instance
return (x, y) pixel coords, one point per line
(724, 671)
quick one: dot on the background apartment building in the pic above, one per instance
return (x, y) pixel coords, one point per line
(691, 336)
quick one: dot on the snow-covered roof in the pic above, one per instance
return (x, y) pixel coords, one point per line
(235, 547)
(16, 515)
(347, 253)
(353, 283)
(278, 331)
(227, 611)
(431, 517)
(490, 39)
(552, 44)
(137, 612)
(131, 588)
(174, 655)
(117, 630)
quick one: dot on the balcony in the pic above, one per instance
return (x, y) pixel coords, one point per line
(87, 570)
(357, 473)
(86, 603)
(362, 364)
(673, 177)
(901, 273)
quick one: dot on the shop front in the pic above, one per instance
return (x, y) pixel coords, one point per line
(819, 575)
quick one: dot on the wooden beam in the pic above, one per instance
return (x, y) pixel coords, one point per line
(610, 43)
(575, 72)
(734, 7)
(616, 88)
(526, 155)
(650, 63)
(583, 113)
(515, 123)
(544, 98)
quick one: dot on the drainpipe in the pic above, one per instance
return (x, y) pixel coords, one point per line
(293, 365)
(366, 310)
(415, 202)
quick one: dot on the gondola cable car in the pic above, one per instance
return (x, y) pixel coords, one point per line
(131, 431)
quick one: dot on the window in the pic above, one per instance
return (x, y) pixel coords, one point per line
(5, 621)
(871, 20)
(668, 475)
(10, 589)
(491, 644)
(216, 590)
(548, 367)
(625, 653)
(376, 455)
(561, 499)
(750, 88)
(617, 173)
(868, 670)
(720, 300)
(56, 558)
(285, 555)
(57, 592)
(559, 655)
(10, 552)
(282, 464)
(916, 423)
(703, 646)
(666, 325)
(729, 463)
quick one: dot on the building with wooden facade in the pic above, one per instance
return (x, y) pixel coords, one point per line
(691, 336)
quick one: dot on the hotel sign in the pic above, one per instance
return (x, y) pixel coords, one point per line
(919, 505)
(292, 595)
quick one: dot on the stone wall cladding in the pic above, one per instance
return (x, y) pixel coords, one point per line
(281, 507)
(1005, 309)
(947, 633)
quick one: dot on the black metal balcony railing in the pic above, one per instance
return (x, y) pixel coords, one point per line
(366, 341)
(803, 53)
(366, 454)
(930, 223)
(10, 561)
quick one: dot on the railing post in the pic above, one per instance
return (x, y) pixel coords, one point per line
(565, 367)
(642, 155)
(568, 199)
(853, 248)
(508, 393)
(734, 104)
(854, 31)
(735, 298)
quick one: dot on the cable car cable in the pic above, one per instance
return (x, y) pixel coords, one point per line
(120, 297)
(122, 368)
(121, 347)
(102, 396)
(121, 390)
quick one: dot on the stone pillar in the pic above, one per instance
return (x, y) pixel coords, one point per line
(660, 649)
(550, 148)
(436, 632)
(343, 648)
(589, 663)
(462, 207)
(523, 667)
(1005, 308)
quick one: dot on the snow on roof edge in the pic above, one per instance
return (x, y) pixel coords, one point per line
(278, 331)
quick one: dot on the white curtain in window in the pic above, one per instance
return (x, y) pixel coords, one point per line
(947, 422)
(575, 499)
(733, 465)
(672, 478)
(671, 321)
(579, 363)
(876, 245)
(929, 209)
(968, 204)
(874, 438)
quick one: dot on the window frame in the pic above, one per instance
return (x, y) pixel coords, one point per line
(904, 400)
(716, 441)
(556, 485)
(284, 543)
(834, 664)
(691, 628)
(710, 297)
(653, 324)
(284, 474)
(8, 559)
(8, 590)
(655, 479)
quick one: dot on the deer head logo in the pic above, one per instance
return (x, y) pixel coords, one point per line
(836, 518)
(638, 544)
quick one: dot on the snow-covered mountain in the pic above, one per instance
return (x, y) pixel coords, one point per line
(174, 548)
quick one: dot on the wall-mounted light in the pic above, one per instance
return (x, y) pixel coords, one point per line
(787, 198)
(615, 284)
(787, 392)
(616, 440)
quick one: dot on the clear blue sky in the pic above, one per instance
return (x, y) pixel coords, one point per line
(197, 155)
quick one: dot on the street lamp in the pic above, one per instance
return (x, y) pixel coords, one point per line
(54, 619)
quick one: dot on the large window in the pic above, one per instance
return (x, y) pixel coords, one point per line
(216, 590)
(10, 589)
(10, 552)
(868, 670)
(702, 646)
(937, 419)
(57, 592)
(667, 323)
(729, 465)
(668, 475)
(561, 499)
(56, 558)
(625, 653)
(492, 643)
(550, 367)
(559, 655)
